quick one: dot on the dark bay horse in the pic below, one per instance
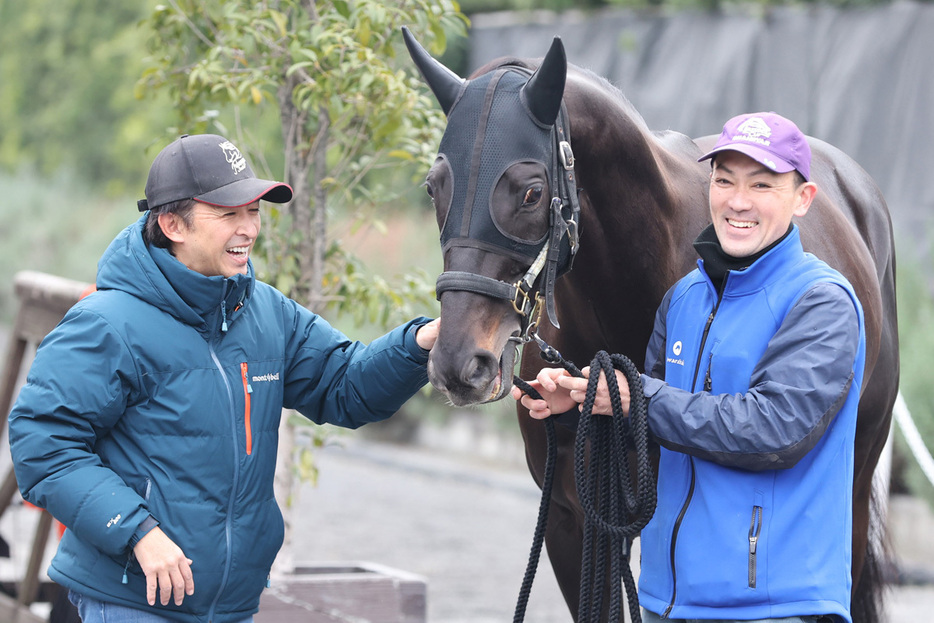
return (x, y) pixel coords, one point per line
(642, 200)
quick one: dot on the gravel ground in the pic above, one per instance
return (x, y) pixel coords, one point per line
(466, 526)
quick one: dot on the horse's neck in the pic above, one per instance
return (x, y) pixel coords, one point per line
(647, 198)
(645, 202)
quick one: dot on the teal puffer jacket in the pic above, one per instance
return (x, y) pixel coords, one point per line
(160, 395)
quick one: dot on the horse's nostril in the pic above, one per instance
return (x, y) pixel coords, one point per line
(479, 369)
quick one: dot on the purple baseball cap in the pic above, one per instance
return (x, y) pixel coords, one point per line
(767, 138)
(210, 169)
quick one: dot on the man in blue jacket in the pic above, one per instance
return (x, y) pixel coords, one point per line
(149, 420)
(753, 376)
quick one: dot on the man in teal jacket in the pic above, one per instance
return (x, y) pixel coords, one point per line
(753, 378)
(148, 423)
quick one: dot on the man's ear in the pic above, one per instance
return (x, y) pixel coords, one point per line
(804, 195)
(172, 226)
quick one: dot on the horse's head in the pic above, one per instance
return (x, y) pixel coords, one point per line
(504, 193)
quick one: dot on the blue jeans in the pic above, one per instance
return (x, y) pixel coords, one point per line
(93, 611)
(651, 617)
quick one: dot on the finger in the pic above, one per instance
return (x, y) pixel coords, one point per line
(572, 383)
(151, 583)
(189, 577)
(544, 379)
(548, 377)
(178, 585)
(601, 382)
(623, 384)
(165, 588)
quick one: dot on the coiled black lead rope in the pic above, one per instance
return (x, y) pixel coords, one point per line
(615, 511)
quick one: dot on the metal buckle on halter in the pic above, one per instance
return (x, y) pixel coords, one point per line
(573, 237)
(521, 289)
(531, 329)
(566, 154)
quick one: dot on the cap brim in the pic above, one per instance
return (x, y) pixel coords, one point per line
(246, 191)
(756, 153)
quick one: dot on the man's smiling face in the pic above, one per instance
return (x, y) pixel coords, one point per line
(751, 206)
(219, 240)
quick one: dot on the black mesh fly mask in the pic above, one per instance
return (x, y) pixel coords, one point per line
(506, 117)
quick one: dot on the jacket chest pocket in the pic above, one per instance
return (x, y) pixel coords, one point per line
(247, 392)
(258, 403)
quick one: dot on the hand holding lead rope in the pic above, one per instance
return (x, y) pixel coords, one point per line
(618, 495)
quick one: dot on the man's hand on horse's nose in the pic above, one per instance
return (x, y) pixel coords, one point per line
(427, 334)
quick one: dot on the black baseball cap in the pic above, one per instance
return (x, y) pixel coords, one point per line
(210, 169)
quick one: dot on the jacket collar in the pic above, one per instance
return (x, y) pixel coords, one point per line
(154, 275)
(747, 273)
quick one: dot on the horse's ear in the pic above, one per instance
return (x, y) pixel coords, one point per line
(545, 88)
(444, 83)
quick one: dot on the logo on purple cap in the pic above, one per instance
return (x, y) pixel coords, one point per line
(233, 156)
(767, 138)
(756, 130)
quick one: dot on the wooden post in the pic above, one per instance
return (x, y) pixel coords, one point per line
(44, 300)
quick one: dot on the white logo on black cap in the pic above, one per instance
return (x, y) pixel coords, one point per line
(234, 157)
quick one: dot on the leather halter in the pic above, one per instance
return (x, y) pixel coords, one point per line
(552, 260)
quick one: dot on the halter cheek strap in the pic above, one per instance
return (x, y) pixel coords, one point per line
(564, 215)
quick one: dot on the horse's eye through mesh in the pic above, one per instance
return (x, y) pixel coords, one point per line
(491, 120)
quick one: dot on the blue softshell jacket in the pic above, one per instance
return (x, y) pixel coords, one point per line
(160, 396)
(756, 419)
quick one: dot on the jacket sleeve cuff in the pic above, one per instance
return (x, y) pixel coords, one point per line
(651, 385)
(143, 529)
(410, 342)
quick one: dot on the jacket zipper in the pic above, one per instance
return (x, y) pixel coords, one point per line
(755, 527)
(131, 555)
(700, 350)
(228, 528)
(247, 390)
(708, 379)
(687, 501)
(674, 542)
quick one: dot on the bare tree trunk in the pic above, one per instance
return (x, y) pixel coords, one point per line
(306, 169)
(319, 229)
(296, 172)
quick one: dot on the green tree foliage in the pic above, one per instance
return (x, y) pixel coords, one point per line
(916, 342)
(479, 6)
(345, 107)
(66, 99)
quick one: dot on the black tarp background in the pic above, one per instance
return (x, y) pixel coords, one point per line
(861, 79)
